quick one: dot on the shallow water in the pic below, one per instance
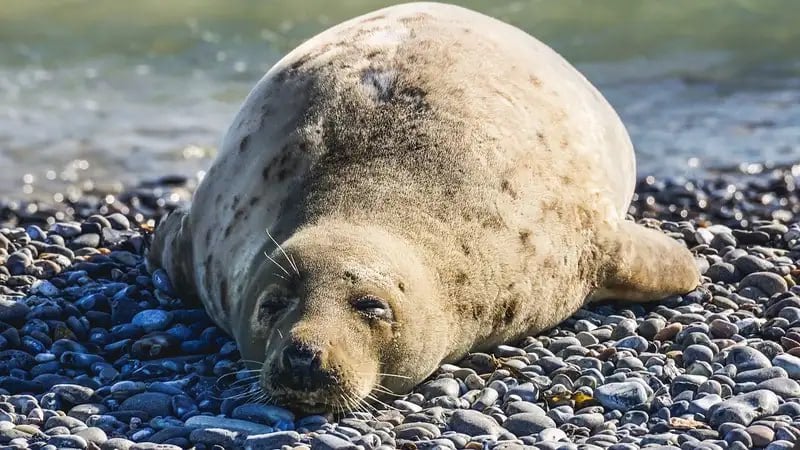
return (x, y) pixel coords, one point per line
(110, 93)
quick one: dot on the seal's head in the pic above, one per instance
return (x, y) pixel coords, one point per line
(350, 319)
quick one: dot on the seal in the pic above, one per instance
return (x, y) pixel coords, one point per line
(411, 185)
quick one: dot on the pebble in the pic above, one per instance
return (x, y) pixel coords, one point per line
(789, 363)
(261, 413)
(473, 422)
(621, 396)
(768, 282)
(528, 423)
(152, 320)
(224, 423)
(440, 387)
(746, 358)
(744, 408)
(152, 403)
(271, 441)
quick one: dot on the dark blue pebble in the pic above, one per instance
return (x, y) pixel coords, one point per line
(181, 331)
(152, 319)
(45, 311)
(65, 345)
(32, 346)
(195, 346)
(16, 385)
(117, 347)
(184, 406)
(36, 233)
(125, 331)
(43, 368)
(311, 422)
(15, 359)
(196, 317)
(79, 360)
(93, 302)
(165, 388)
(161, 282)
(41, 337)
(111, 289)
(98, 336)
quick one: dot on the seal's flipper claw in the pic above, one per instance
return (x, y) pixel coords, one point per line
(643, 265)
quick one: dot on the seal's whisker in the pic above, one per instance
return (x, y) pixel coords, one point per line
(294, 264)
(387, 391)
(223, 377)
(362, 407)
(358, 405)
(280, 247)
(392, 375)
(244, 382)
(251, 388)
(280, 276)
(252, 361)
(277, 264)
(375, 399)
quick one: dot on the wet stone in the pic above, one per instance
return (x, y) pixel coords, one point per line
(271, 440)
(214, 436)
(526, 424)
(440, 387)
(261, 413)
(473, 422)
(783, 386)
(153, 403)
(744, 408)
(331, 442)
(746, 358)
(622, 396)
(227, 424)
(768, 282)
(789, 363)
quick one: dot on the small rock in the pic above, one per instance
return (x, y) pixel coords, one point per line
(768, 282)
(789, 363)
(271, 441)
(152, 320)
(622, 396)
(744, 408)
(746, 358)
(526, 424)
(473, 423)
(440, 387)
(331, 442)
(227, 424)
(153, 403)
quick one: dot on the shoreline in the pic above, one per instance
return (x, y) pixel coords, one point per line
(114, 359)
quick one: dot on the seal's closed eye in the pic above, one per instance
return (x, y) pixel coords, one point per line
(373, 307)
(273, 303)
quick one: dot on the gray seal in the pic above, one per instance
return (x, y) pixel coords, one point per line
(411, 185)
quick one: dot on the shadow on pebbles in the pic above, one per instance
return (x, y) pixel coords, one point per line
(97, 353)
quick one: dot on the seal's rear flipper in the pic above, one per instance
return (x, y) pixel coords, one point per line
(643, 265)
(171, 250)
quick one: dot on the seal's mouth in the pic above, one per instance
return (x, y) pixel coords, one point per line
(305, 402)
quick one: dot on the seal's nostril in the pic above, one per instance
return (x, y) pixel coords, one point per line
(302, 367)
(298, 357)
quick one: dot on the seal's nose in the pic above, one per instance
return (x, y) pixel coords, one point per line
(302, 367)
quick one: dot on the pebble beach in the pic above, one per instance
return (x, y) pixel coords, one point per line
(95, 352)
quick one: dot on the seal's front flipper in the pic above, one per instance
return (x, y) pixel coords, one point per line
(643, 265)
(171, 250)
